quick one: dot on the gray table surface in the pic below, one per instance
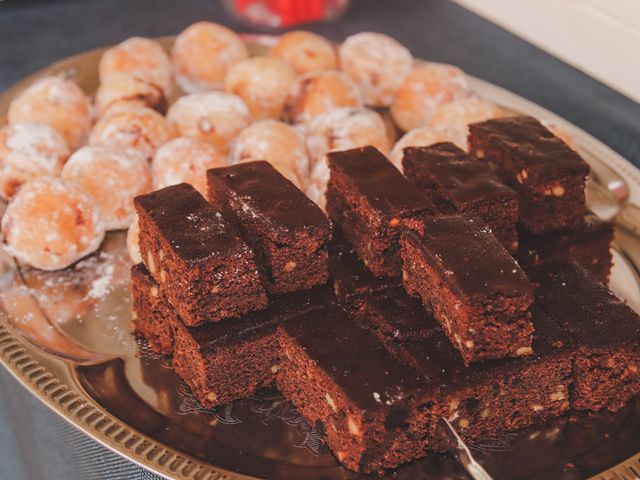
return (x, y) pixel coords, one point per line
(35, 443)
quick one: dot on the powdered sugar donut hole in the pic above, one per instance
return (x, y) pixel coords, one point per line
(58, 103)
(377, 63)
(213, 117)
(113, 177)
(464, 111)
(133, 240)
(185, 159)
(423, 137)
(128, 126)
(128, 89)
(263, 83)
(52, 223)
(305, 52)
(203, 54)
(319, 92)
(29, 151)
(427, 86)
(277, 143)
(143, 57)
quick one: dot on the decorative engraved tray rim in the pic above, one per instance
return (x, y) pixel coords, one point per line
(53, 381)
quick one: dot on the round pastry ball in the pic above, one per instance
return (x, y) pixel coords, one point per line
(277, 143)
(306, 52)
(463, 112)
(129, 89)
(185, 159)
(140, 56)
(127, 126)
(346, 128)
(263, 83)
(133, 240)
(56, 102)
(29, 151)
(318, 92)
(203, 54)
(213, 117)
(52, 223)
(377, 63)
(427, 86)
(113, 177)
(425, 136)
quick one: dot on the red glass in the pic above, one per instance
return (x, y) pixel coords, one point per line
(285, 13)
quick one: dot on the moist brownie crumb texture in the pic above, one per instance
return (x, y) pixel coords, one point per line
(407, 306)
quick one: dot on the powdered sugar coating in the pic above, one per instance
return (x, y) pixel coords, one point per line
(464, 111)
(29, 151)
(213, 117)
(345, 128)
(52, 223)
(56, 102)
(185, 159)
(140, 56)
(319, 92)
(427, 86)
(263, 83)
(113, 177)
(126, 88)
(305, 52)
(203, 54)
(425, 136)
(377, 63)
(277, 143)
(316, 186)
(128, 126)
(133, 240)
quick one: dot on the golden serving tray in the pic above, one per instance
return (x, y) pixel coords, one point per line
(65, 336)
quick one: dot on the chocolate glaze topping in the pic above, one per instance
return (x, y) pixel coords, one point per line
(360, 365)
(375, 178)
(469, 257)
(531, 145)
(453, 175)
(262, 192)
(585, 307)
(191, 226)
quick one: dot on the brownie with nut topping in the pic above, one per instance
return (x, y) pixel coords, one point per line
(548, 176)
(478, 293)
(606, 330)
(359, 396)
(287, 232)
(370, 199)
(151, 313)
(458, 183)
(482, 401)
(590, 246)
(198, 258)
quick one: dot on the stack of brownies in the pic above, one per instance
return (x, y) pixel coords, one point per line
(411, 309)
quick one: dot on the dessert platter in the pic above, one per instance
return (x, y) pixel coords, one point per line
(243, 256)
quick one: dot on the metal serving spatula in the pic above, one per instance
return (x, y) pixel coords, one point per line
(461, 451)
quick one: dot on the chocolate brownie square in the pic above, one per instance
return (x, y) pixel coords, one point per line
(479, 294)
(355, 392)
(606, 330)
(198, 258)
(460, 184)
(548, 176)
(287, 232)
(590, 246)
(352, 281)
(228, 360)
(482, 401)
(370, 199)
(151, 313)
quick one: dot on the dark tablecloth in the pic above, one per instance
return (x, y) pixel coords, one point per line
(35, 443)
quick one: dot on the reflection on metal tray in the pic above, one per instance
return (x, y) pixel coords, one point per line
(66, 336)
